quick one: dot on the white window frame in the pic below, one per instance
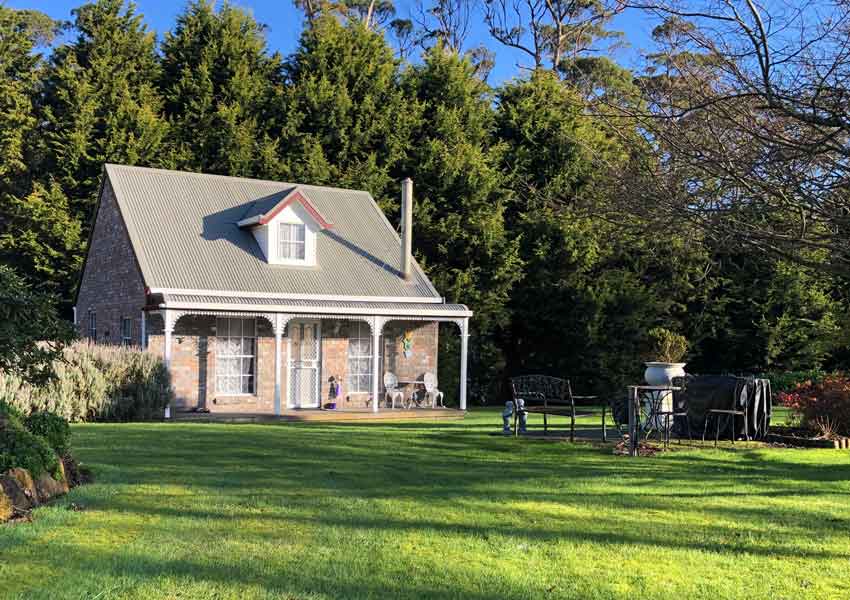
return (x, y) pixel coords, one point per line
(223, 337)
(92, 325)
(360, 332)
(126, 331)
(289, 247)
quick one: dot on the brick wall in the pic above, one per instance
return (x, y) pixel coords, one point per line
(423, 359)
(193, 366)
(111, 284)
(423, 356)
(193, 362)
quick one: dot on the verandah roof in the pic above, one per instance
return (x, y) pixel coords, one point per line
(214, 302)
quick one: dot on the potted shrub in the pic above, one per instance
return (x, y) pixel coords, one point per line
(667, 349)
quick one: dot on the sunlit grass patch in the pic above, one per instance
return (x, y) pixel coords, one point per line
(429, 510)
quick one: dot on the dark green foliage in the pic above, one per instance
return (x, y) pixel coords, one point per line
(344, 119)
(52, 428)
(218, 82)
(10, 415)
(785, 381)
(31, 333)
(20, 448)
(100, 101)
(512, 186)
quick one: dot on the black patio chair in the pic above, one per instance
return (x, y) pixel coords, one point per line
(738, 408)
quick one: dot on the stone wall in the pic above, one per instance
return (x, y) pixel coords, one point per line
(111, 285)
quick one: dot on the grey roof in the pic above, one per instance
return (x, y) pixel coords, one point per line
(265, 204)
(292, 305)
(183, 230)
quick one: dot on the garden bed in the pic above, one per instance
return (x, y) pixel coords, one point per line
(800, 437)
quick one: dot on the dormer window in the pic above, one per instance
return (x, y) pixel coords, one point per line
(293, 241)
(287, 229)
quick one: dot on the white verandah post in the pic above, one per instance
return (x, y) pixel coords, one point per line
(464, 349)
(143, 341)
(168, 319)
(377, 325)
(279, 323)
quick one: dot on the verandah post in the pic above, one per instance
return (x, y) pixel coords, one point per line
(464, 349)
(278, 334)
(377, 325)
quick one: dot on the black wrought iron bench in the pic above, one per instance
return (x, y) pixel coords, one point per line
(549, 396)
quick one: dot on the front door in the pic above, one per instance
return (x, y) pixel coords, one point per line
(304, 363)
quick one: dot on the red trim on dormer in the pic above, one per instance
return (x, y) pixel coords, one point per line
(297, 196)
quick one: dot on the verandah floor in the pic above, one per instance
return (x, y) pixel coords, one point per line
(350, 414)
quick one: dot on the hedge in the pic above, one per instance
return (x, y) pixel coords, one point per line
(96, 383)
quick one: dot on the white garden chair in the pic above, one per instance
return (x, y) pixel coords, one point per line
(431, 391)
(391, 390)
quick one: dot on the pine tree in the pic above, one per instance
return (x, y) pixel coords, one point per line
(460, 236)
(38, 236)
(345, 119)
(460, 196)
(582, 305)
(101, 104)
(219, 82)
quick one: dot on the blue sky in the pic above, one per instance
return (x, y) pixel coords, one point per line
(284, 27)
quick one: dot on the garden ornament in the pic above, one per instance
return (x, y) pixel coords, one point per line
(506, 417)
(407, 344)
(523, 416)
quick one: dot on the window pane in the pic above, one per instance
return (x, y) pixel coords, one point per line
(247, 366)
(230, 367)
(249, 327)
(299, 251)
(299, 233)
(236, 347)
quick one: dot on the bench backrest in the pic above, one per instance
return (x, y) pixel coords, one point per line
(541, 390)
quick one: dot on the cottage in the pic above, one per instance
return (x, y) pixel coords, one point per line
(262, 297)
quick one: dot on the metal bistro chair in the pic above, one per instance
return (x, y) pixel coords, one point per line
(680, 411)
(392, 391)
(431, 391)
(738, 408)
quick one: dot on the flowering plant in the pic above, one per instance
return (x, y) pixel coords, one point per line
(819, 403)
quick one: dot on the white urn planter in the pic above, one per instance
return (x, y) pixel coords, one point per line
(662, 374)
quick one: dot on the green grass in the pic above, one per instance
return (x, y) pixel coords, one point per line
(429, 510)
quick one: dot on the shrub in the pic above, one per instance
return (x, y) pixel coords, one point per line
(787, 381)
(23, 449)
(51, 427)
(822, 405)
(96, 383)
(666, 346)
(9, 413)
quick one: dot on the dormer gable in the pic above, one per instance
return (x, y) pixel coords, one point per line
(286, 232)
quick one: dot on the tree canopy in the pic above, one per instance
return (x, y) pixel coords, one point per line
(574, 208)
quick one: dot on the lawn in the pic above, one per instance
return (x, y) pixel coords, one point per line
(429, 510)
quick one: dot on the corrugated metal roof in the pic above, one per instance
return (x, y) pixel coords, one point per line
(183, 229)
(233, 302)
